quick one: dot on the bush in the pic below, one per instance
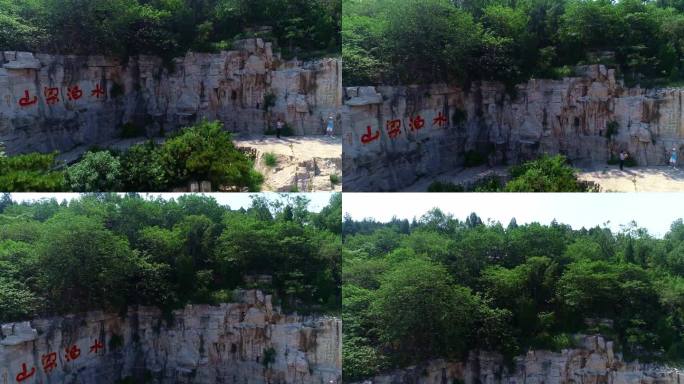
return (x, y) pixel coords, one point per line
(474, 159)
(269, 101)
(612, 129)
(270, 159)
(206, 152)
(629, 162)
(29, 173)
(334, 179)
(130, 130)
(547, 174)
(142, 169)
(439, 186)
(286, 131)
(269, 357)
(97, 172)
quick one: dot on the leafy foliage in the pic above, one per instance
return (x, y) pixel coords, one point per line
(424, 41)
(206, 152)
(198, 153)
(110, 251)
(98, 171)
(166, 28)
(439, 287)
(31, 172)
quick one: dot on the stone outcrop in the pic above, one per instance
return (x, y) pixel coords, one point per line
(50, 102)
(395, 135)
(246, 342)
(594, 361)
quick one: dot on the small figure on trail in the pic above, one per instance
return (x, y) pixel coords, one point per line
(330, 130)
(623, 156)
(280, 124)
(673, 158)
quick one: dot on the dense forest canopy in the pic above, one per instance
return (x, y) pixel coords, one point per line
(166, 27)
(440, 287)
(422, 41)
(107, 251)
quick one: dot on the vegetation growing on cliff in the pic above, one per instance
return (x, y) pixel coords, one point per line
(166, 28)
(108, 251)
(423, 41)
(546, 174)
(203, 152)
(440, 287)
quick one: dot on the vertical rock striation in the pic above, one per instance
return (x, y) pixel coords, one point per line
(593, 362)
(50, 102)
(395, 135)
(248, 342)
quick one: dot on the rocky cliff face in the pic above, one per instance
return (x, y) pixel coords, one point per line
(52, 102)
(246, 342)
(593, 362)
(395, 135)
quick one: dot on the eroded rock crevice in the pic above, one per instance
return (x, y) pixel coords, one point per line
(198, 344)
(51, 102)
(593, 361)
(427, 130)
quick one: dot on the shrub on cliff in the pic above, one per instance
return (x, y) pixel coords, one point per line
(547, 174)
(142, 170)
(29, 173)
(97, 172)
(206, 152)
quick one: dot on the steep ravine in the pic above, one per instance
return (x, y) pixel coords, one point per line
(593, 361)
(247, 342)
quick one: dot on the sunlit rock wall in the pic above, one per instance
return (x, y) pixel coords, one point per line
(395, 135)
(50, 102)
(594, 361)
(201, 344)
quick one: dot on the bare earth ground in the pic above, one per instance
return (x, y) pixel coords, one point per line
(637, 179)
(609, 178)
(305, 163)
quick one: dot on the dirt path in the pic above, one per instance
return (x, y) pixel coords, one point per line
(638, 179)
(305, 164)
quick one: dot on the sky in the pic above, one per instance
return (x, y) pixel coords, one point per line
(652, 211)
(234, 200)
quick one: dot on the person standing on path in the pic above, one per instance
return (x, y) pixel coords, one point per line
(673, 158)
(623, 157)
(279, 127)
(330, 129)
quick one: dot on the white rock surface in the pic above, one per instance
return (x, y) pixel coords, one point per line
(566, 116)
(228, 86)
(201, 344)
(592, 362)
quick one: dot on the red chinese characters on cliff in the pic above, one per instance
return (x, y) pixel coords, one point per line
(369, 136)
(51, 95)
(25, 373)
(96, 347)
(49, 362)
(27, 100)
(74, 92)
(417, 123)
(393, 128)
(72, 353)
(98, 91)
(440, 120)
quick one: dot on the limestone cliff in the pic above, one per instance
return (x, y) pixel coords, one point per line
(395, 135)
(50, 102)
(245, 342)
(593, 362)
